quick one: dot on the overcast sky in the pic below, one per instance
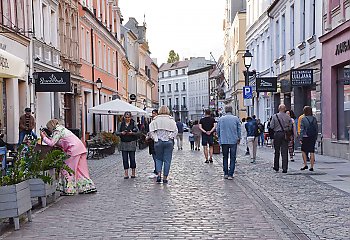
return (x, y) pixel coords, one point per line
(193, 28)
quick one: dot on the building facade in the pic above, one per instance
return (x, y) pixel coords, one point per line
(297, 50)
(336, 78)
(16, 88)
(258, 37)
(102, 57)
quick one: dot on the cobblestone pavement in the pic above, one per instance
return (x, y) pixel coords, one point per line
(196, 204)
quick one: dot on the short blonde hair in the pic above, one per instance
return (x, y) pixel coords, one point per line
(163, 110)
(52, 124)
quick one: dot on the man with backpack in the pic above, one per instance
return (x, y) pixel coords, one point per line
(308, 134)
(252, 137)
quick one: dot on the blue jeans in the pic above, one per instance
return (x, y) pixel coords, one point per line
(226, 148)
(155, 162)
(126, 156)
(22, 135)
(164, 153)
(261, 139)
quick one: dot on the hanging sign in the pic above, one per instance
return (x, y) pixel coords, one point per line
(53, 82)
(301, 77)
(266, 84)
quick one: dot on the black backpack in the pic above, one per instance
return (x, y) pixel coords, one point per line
(311, 131)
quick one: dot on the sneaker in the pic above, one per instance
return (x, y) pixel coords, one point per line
(253, 161)
(276, 170)
(152, 176)
(159, 179)
(226, 177)
(311, 169)
(206, 161)
(165, 181)
(230, 178)
(292, 160)
(284, 171)
(211, 160)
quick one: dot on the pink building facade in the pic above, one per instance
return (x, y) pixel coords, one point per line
(336, 79)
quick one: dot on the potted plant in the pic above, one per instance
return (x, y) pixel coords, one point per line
(112, 139)
(43, 169)
(14, 193)
(216, 145)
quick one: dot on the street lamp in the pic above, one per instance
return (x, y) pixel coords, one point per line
(247, 63)
(144, 102)
(99, 86)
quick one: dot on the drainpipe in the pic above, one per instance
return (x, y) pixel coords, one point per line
(93, 79)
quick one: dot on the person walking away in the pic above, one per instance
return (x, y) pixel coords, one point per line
(308, 132)
(261, 133)
(197, 135)
(180, 132)
(229, 134)
(300, 118)
(191, 140)
(244, 135)
(127, 131)
(271, 132)
(291, 114)
(150, 142)
(163, 130)
(26, 125)
(69, 183)
(252, 139)
(281, 123)
(207, 125)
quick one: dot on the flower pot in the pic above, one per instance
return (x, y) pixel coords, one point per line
(14, 201)
(216, 149)
(42, 190)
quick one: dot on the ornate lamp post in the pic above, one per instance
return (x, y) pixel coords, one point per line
(99, 86)
(247, 63)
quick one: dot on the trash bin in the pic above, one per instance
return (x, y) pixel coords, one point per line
(75, 131)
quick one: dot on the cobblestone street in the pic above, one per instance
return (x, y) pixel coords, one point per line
(196, 204)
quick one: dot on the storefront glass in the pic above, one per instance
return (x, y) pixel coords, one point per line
(343, 102)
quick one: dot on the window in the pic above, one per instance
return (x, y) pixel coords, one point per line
(333, 4)
(163, 103)
(302, 21)
(277, 40)
(184, 101)
(99, 54)
(83, 47)
(162, 74)
(169, 87)
(183, 86)
(105, 58)
(169, 73)
(291, 39)
(343, 102)
(88, 47)
(163, 89)
(169, 103)
(176, 72)
(283, 34)
(183, 71)
(53, 36)
(177, 101)
(176, 87)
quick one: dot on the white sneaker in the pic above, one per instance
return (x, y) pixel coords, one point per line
(152, 176)
(226, 177)
(230, 178)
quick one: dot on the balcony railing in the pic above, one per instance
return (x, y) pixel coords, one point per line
(183, 108)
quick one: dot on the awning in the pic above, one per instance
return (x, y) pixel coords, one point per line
(117, 107)
(11, 66)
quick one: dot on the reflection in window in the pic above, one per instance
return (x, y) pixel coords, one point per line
(343, 102)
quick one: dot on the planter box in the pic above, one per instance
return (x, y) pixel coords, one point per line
(14, 201)
(42, 190)
(216, 149)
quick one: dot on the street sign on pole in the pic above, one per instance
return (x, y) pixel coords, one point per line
(247, 92)
(247, 102)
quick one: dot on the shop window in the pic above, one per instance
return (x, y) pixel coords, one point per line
(343, 102)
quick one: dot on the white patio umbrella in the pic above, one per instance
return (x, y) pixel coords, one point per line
(117, 107)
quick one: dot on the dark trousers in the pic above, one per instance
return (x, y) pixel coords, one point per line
(192, 145)
(281, 147)
(126, 155)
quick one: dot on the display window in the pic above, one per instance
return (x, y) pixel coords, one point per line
(343, 103)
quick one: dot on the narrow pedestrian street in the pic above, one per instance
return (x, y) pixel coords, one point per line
(196, 204)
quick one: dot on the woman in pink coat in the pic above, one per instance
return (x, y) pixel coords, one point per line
(80, 181)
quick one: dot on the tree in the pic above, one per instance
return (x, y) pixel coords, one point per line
(173, 57)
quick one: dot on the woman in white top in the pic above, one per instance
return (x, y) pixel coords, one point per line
(163, 130)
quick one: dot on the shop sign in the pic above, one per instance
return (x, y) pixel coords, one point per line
(53, 82)
(132, 97)
(346, 76)
(302, 77)
(342, 47)
(266, 84)
(286, 87)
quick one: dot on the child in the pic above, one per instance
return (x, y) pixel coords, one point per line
(191, 139)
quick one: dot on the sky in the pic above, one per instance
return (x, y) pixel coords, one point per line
(192, 28)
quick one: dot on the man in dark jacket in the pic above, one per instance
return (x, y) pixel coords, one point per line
(26, 125)
(180, 132)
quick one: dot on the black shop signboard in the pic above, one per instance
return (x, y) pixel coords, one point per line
(52, 82)
(301, 77)
(266, 84)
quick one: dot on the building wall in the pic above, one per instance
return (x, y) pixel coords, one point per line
(198, 86)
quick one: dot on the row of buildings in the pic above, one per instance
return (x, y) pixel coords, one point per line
(305, 44)
(54, 52)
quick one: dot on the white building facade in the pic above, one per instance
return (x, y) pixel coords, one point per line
(296, 27)
(258, 42)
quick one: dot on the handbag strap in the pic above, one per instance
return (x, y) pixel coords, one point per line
(279, 122)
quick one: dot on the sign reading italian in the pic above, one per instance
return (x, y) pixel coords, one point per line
(266, 84)
(301, 77)
(53, 82)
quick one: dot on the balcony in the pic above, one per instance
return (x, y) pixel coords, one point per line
(46, 53)
(183, 108)
(176, 108)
